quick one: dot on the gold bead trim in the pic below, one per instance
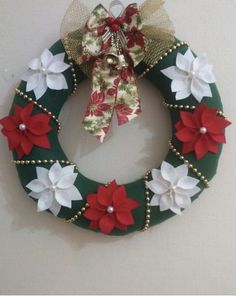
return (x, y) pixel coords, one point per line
(44, 109)
(75, 81)
(188, 107)
(78, 215)
(39, 162)
(170, 50)
(199, 175)
(148, 204)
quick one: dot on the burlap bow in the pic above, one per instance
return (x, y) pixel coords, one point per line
(107, 50)
(115, 45)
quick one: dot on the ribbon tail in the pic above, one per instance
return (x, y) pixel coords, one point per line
(128, 104)
(100, 110)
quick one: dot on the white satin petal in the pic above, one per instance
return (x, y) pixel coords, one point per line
(183, 63)
(41, 88)
(35, 64)
(156, 174)
(183, 201)
(68, 169)
(189, 55)
(74, 194)
(45, 201)
(206, 74)
(56, 82)
(59, 57)
(42, 174)
(187, 182)
(200, 62)
(46, 58)
(183, 94)
(155, 200)
(166, 202)
(28, 74)
(36, 186)
(199, 88)
(168, 172)
(180, 172)
(63, 198)
(174, 73)
(180, 84)
(58, 67)
(55, 173)
(66, 181)
(55, 207)
(176, 209)
(157, 187)
(33, 82)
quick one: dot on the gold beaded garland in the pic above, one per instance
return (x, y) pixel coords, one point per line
(148, 205)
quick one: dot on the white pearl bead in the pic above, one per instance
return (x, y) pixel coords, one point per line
(22, 127)
(53, 188)
(110, 209)
(203, 130)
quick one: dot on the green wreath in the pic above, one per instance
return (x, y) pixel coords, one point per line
(188, 85)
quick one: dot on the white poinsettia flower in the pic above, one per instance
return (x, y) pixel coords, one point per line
(172, 187)
(54, 188)
(191, 76)
(46, 72)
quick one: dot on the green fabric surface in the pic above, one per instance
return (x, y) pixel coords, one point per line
(54, 101)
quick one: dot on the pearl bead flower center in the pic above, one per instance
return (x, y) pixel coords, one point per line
(53, 188)
(110, 209)
(203, 130)
(22, 127)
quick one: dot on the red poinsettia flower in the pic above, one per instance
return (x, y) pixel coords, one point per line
(25, 130)
(96, 105)
(201, 131)
(135, 37)
(110, 208)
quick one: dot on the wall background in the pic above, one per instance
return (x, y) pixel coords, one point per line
(194, 254)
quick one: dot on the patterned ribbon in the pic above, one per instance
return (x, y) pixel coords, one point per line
(115, 46)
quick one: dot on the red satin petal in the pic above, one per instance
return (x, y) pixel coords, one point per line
(131, 204)
(220, 138)
(19, 152)
(187, 135)
(121, 226)
(93, 225)
(38, 124)
(26, 145)
(188, 147)
(93, 214)
(17, 112)
(8, 123)
(179, 125)
(189, 119)
(119, 198)
(13, 137)
(105, 193)
(219, 125)
(201, 147)
(107, 223)
(198, 112)
(40, 141)
(26, 112)
(208, 117)
(212, 146)
(125, 217)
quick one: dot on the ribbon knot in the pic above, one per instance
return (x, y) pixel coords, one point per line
(115, 45)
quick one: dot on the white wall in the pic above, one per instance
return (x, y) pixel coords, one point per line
(191, 254)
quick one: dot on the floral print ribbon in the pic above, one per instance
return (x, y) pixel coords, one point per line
(115, 46)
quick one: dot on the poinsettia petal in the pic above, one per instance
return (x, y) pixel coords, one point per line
(166, 201)
(93, 225)
(58, 67)
(156, 174)
(174, 73)
(200, 89)
(26, 113)
(41, 88)
(187, 182)
(220, 138)
(35, 64)
(131, 204)
(181, 171)
(19, 152)
(105, 194)
(68, 169)
(33, 82)
(55, 172)
(56, 82)
(38, 124)
(183, 63)
(180, 84)
(155, 200)
(189, 55)
(183, 201)
(42, 174)
(180, 95)
(55, 207)
(46, 58)
(45, 201)
(107, 223)
(188, 147)
(206, 74)
(201, 147)
(74, 194)
(26, 144)
(176, 209)
(36, 186)
(189, 120)
(67, 181)
(93, 214)
(219, 125)
(121, 226)
(157, 187)
(13, 138)
(39, 140)
(63, 198)
(8, 123)
(167, 171)
(119, 197)
(125, 217)
(187, 135)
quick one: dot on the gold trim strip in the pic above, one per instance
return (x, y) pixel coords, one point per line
(148, 204)
(78, 215)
